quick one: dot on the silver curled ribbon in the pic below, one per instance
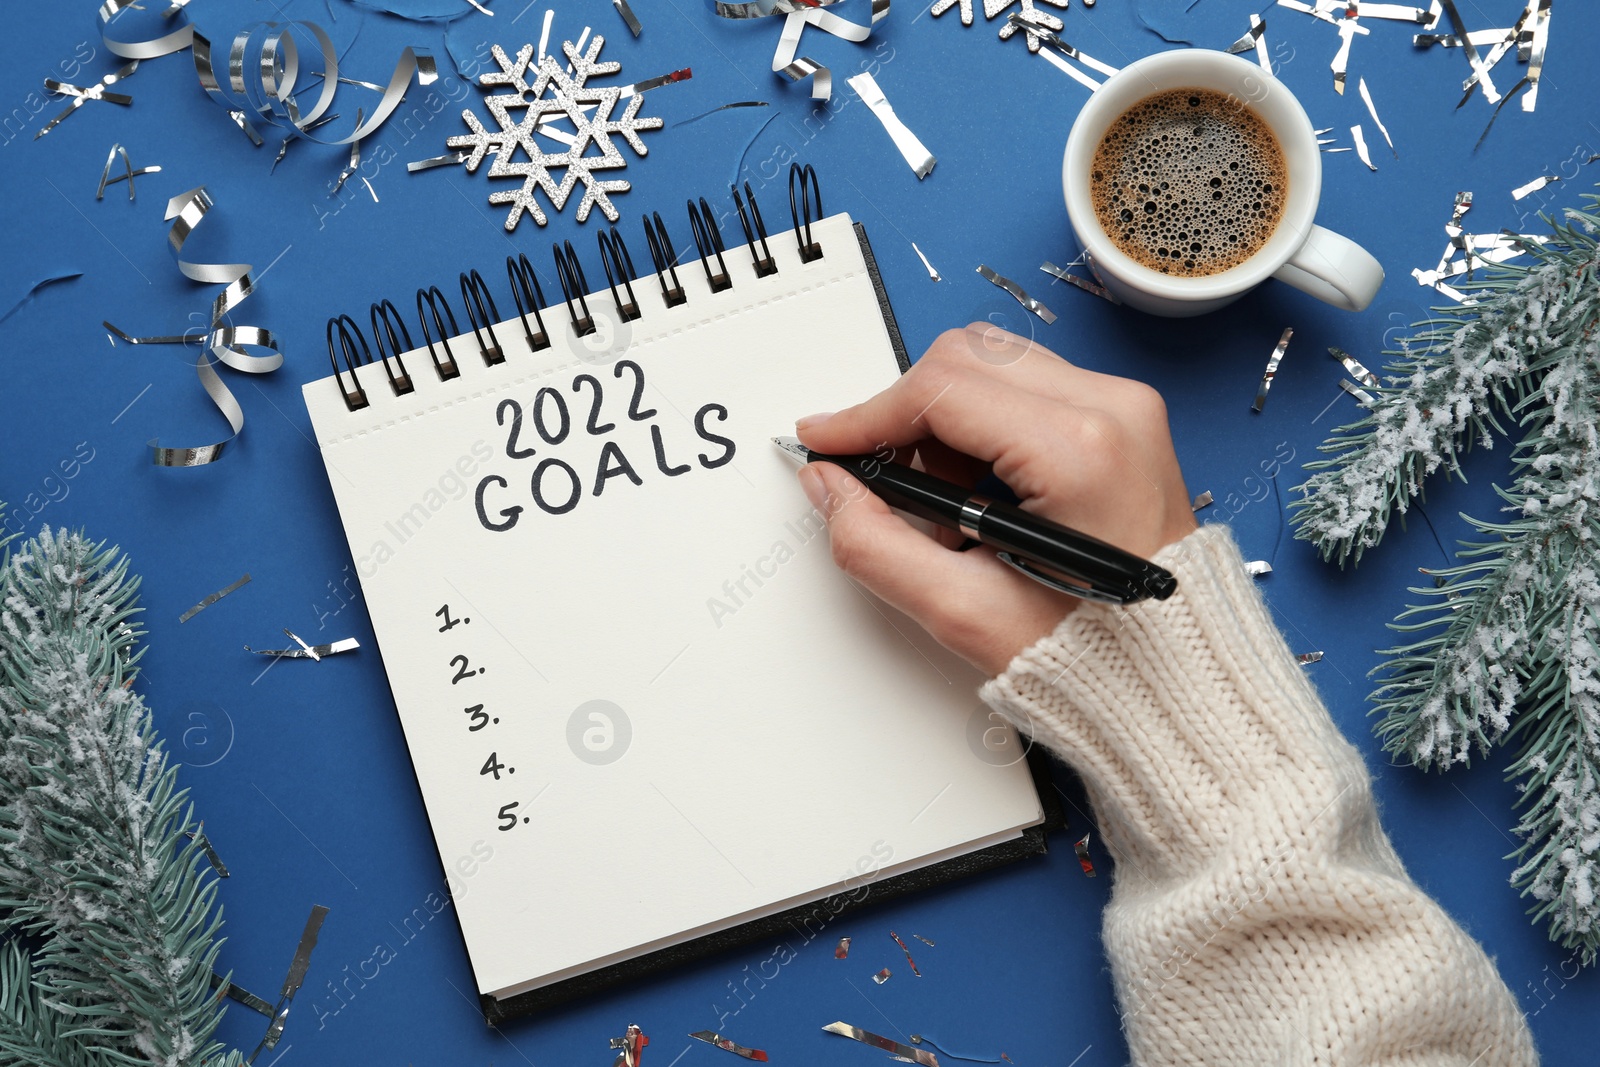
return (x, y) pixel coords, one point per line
(798, 14)
(275, 59)
(227, 343)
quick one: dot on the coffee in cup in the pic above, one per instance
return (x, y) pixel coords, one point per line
(1188, 182)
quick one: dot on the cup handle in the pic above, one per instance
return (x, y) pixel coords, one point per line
(1334, 269)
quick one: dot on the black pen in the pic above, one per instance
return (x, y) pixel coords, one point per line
(1023, 541)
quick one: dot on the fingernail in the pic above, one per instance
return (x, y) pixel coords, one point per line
(816, 492)
(812, 420)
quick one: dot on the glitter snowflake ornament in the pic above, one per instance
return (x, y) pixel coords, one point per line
(553, 99)
(991, 8)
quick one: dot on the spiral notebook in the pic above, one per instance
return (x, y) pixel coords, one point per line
(648, 716)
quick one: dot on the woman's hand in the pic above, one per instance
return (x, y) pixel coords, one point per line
(1088, 450)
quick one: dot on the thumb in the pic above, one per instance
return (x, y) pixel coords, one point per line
(958, 597)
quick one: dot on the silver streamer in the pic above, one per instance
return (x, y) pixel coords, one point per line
(225, 342)
(1399, 12)
(1017, 291)
(1082, 283)
(128, 173)
(931, 272)
(1357, 371)
(887, 1044)
(81, 96)
(1372, 109)
(1204, 500)
(241, 995)
(1272, 370)
(916, 154)
(712, 1038)
(212, 598)
(1361, 146)
(798, 14)
(1534, 186)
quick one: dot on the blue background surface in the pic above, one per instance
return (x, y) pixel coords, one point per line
(300, 770)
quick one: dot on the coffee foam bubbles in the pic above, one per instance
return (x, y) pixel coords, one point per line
(1189, 182)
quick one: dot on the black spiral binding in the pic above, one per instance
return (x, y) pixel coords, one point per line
(394, 328)
(525, 288)
(708, 239)
(438, 321)
(763, 263)
(614, 253)
(435, 300)
(665, 259)
(573, 285)
(349, 333)
(475, 294)
(798, 175)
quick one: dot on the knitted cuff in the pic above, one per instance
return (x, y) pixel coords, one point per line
(1182, 716)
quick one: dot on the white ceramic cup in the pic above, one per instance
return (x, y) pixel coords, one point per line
(1316, 260)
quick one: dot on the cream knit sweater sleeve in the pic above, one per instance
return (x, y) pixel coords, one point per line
(1259, 914)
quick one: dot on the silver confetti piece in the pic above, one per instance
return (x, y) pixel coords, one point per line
(81, 95)
(1361, 146)
(1272, 370)
(1540, 40)
(1308, 657)
(909, 961)
(1080, 848)
(1366, 98)
(1255, 568)
(1355, 367)
(713, 1038)
(924, 940)
(449, 159)
(1082, 283)
(1479, 38)
(1334, 151)
(842, 952)
(1055, 41)
(882, 976)
(1341, 59)
(1248, 41)
(1204, 500)
(916, 154)
(199, 834)
(1364, 398)
(294, 979)
(128, 173)
(1019, 293)
(348, 644)
(628, 16)
(1534, 186)
(212, 598)
(931, 272)
(629, 1047)
(241, 995)
(1398, 12)
(1480, 71)
(887, 1044)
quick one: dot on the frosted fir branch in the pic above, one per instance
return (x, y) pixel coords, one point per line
(94, 866)
(1454, 381)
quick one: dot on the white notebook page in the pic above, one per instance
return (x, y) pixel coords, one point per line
(782, 733)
